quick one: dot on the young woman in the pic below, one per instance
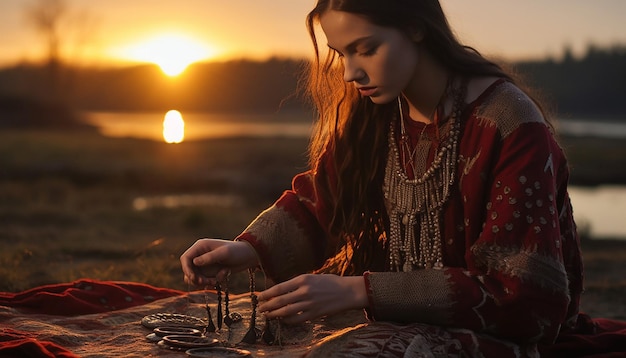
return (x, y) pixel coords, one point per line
(437, 193)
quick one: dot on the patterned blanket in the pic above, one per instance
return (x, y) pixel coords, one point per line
(89, 318)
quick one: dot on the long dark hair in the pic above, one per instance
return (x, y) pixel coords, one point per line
(353, 131)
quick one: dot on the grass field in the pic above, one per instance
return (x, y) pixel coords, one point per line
(66, 208)
(66, 202)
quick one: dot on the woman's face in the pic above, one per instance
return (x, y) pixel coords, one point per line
(380, 61)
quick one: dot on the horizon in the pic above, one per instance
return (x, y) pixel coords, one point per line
(211, 31)
(179, 71)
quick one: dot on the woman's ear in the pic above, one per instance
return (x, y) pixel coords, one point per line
(417, 36)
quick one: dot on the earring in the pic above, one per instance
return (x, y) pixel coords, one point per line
(417, 36)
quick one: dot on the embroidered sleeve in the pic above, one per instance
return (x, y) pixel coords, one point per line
(517, 261)
(290, 236)
(521, 250)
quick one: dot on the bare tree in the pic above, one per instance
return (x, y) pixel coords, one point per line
(46, 16)
(62, 28)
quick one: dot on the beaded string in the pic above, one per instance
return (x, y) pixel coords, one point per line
(251, 336)
(267, 336)
(407, 154)
(228, 321)
(220, 318)
(253, 333)
(210, 327)
(228, 318)
(415, 206)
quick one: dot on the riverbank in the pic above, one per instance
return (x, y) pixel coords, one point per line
(595, 160)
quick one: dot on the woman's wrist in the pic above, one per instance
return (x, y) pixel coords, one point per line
(253, 258)
(358, 291)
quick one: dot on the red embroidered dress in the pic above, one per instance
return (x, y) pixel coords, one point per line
(512, 266)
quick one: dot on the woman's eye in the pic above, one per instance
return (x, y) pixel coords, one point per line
(369, 52)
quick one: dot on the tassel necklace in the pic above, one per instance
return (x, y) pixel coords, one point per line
(415, 206)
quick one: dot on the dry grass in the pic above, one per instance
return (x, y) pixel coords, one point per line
(66, 202)
(605, 283)
(66, 235)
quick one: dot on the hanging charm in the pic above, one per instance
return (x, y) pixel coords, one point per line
(218, 288)
(210, 327)
(251, 336)
(267, 335)
(228, 321)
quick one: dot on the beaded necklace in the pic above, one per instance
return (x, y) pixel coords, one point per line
(415, 206)
(407, 155)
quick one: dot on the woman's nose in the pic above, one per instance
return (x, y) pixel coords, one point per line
(352, 72)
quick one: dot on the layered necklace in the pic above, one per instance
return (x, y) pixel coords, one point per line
(415, 206)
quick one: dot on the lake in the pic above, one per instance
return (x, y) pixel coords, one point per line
(149, 125)
(205, 125)
(599, 211)
(599, 128)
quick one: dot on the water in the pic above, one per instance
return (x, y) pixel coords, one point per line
(179, 200)
(206, 125)
(581, 128)
(599, 212)
(149, 125)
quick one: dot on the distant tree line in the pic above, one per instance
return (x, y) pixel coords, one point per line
(594, 85)
(244, 85)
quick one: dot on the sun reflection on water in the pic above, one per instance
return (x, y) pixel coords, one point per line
(173, 127)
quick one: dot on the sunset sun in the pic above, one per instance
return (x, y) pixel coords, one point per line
(171, 52)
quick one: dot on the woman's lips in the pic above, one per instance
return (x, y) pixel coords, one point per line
(367, 91)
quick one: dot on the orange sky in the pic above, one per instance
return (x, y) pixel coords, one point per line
(114, 30)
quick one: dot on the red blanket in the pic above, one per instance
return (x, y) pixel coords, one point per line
(599, 337)
(84, 297)
(90, 318)
(71, 299)
(95, 318)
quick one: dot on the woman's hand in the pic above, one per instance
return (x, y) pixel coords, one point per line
(209, 261)
(310, 296)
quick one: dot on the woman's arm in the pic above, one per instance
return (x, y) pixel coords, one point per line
(310, 296)
(291, 237)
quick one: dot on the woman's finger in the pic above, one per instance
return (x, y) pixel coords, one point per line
(282, 300)
(278, 290)
(194, 262)
(223, 275)
(209, 261)
(290, 313)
